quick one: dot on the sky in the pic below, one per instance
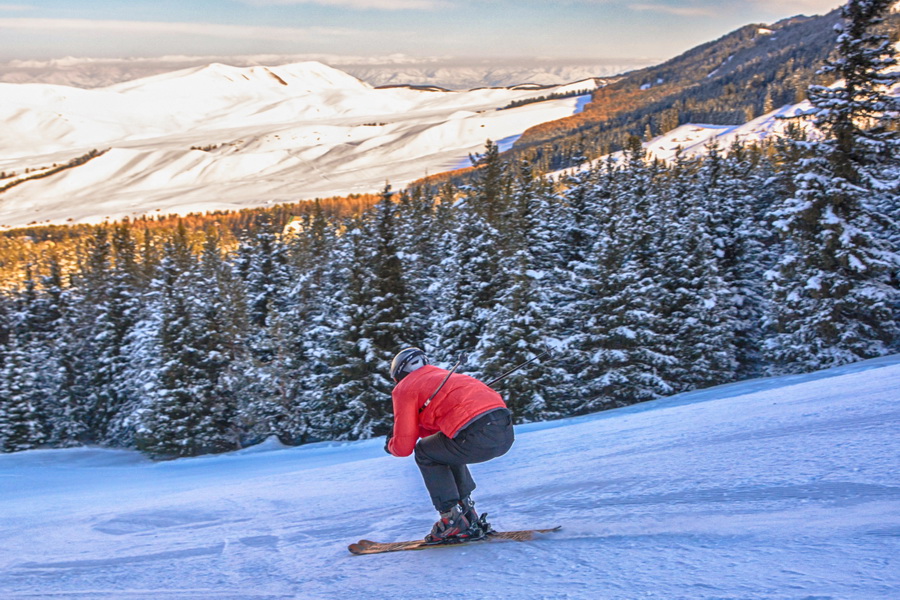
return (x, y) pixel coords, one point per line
(562, 29)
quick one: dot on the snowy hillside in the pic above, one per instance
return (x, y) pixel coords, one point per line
(781, 488)
(691, 138)
(221, 137)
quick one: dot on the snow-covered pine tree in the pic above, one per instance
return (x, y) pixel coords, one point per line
(469, 287)
(735, 185)
(696, 304)
(625, 354)
(113, 396)
(306, 330)
(265, 272)
(21, 421)
(59, 307)
(834, 292)
(422, 224)
(262, 264)
(341, 412)
(582, 216)
(186, 413)
(518, 327)
(26, 371)
(489, 193)
(218, 327)
(442, 240)
(398, 317)
(377, 319)
(89, 298)
(356, 403)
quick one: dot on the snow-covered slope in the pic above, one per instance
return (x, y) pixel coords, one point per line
(693, 138)
(777, 488)
(221, 137)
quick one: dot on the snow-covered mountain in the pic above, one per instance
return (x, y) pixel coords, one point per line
(782, 489)
(395, 69)
(222, 137)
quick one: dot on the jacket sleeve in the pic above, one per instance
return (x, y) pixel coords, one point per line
(406, 424)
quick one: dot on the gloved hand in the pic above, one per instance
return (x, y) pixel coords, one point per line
(386, 442)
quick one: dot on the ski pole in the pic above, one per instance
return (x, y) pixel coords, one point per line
(461, 361)
(514, 369)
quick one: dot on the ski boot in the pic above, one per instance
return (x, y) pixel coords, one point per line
(478, 525)
(451, 527)
(468, 506)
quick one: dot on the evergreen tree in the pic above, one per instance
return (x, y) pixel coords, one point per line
(306, 330)
(744, 245)
(489, 191)
(470, 287)
(357, 404)
(64, 413)
(833, 288)
(697, 305)
(518, 325)
(625, 353)
(21, 426)
(263, 266)
(112, 395)
(187, 413)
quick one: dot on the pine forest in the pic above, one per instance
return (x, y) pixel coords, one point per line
(642, 278)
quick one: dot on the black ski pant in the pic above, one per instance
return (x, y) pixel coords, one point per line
(443, 460)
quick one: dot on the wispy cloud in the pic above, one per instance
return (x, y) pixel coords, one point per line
(810, 6)
(16, 7)
(681, 11)
(360, 4)
(161, 27)
(710, 8)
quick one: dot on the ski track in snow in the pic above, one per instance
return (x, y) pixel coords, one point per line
(782, 488)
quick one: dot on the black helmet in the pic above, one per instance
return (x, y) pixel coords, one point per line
(406, 362)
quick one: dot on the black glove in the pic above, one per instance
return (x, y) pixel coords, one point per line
(386, 442)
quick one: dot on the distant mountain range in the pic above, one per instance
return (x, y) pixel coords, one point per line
(453, 74)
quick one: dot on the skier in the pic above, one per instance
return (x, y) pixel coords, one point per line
(465, 422)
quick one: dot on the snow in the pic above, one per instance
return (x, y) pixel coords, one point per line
(694, 138)
(395, 69)
(782, 488)
(269, 134)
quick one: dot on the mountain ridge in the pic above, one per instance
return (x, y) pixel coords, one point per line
(221, 137)
(448, 73)
(731, 80)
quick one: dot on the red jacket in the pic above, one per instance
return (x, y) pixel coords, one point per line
(460, 401)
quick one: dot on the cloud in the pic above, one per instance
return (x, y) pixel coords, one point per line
(195, 29)
(681, 11)
(711, 8)
(16, 7)
(808, 6)
(359, 4)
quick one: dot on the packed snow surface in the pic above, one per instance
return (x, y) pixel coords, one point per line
(783, 488)
(221, 138)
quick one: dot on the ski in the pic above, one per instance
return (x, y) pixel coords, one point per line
(370, 547)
